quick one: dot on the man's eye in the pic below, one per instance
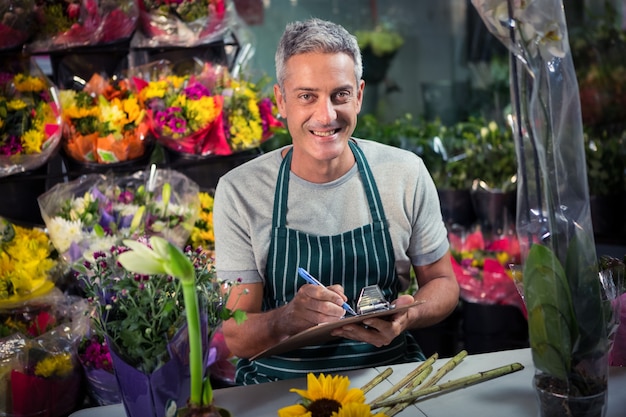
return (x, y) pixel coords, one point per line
(305, 97)
(342, 96)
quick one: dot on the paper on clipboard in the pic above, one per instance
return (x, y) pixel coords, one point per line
(321, 333)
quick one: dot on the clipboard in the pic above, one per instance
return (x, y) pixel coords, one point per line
(321, 333)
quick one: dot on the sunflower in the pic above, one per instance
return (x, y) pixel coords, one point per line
(328, 396)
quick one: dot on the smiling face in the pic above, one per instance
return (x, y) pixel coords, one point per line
(320, 100)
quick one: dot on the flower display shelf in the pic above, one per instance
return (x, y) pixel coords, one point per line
(71, 65)
(19, 195)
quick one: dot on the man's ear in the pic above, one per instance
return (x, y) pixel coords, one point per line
(280, 100)
(359, 94)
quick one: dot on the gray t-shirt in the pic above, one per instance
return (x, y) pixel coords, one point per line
(244, 199)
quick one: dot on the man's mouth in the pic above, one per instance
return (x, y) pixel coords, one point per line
(325, 133)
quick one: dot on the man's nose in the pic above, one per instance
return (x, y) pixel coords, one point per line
(325, 111)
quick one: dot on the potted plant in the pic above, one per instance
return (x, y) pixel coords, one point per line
(566, 312)
(378, 48)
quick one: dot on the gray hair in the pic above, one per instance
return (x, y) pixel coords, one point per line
(316, 35)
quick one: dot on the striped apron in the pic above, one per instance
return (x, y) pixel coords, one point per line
(354, 259)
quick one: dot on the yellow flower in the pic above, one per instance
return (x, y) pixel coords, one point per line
(15, 105)
(56, 365)
(25, 263)
(202, 232)
(32, 141)
(26, 83)
(325, 396)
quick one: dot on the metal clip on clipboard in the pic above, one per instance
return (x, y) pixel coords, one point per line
(372, 300)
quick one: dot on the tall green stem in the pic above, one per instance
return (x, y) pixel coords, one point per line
(195, 343)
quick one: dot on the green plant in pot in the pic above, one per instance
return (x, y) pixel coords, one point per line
(162, 257)
(378, 47)
(568, 317)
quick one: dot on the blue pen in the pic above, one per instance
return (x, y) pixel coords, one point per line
(311, 280)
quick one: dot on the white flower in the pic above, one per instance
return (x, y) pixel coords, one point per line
(64, 232)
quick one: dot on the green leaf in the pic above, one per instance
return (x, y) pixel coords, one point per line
(551, 318)
(550, 339)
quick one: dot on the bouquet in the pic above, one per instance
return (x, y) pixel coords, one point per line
(95, 212)
(39, 369)
(184, 111)
(30, 119)
(95, 358)
(75, 23)
(487, 271)
(209, 113)
(183, 23)
(143, 314)
(249, 118)
(104, 123)
(202, 233)
(16, 22)
(27, 263)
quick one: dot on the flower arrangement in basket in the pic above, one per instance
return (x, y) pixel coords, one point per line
(30, 117)
(104, 123)
(181, 23)
(208, 113)
(95, 212)
(39, 328)
(66, 24)
(16, 22)
(146, 295)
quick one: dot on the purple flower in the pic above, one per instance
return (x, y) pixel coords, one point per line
(196, 91)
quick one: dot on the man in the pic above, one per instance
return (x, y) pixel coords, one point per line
(352, 212)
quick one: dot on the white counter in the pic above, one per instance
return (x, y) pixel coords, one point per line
(510, 395)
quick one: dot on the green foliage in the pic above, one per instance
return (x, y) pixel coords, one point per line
(605, 152)
(140, 313)
(455, 155)
(382, 40)
(567, 316)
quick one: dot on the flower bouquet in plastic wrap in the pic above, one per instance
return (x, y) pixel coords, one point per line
(77, 23)
(185, 112)
(183, 23)
(39, 327)
(95, 212)
(95, 358)
(143, 314)
(16, 23)
(250, 116)
(104, 123)
(487, 270)
(207, 113)
(30, 117)
(39, 369)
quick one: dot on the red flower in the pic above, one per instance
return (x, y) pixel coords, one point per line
(43, 322)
